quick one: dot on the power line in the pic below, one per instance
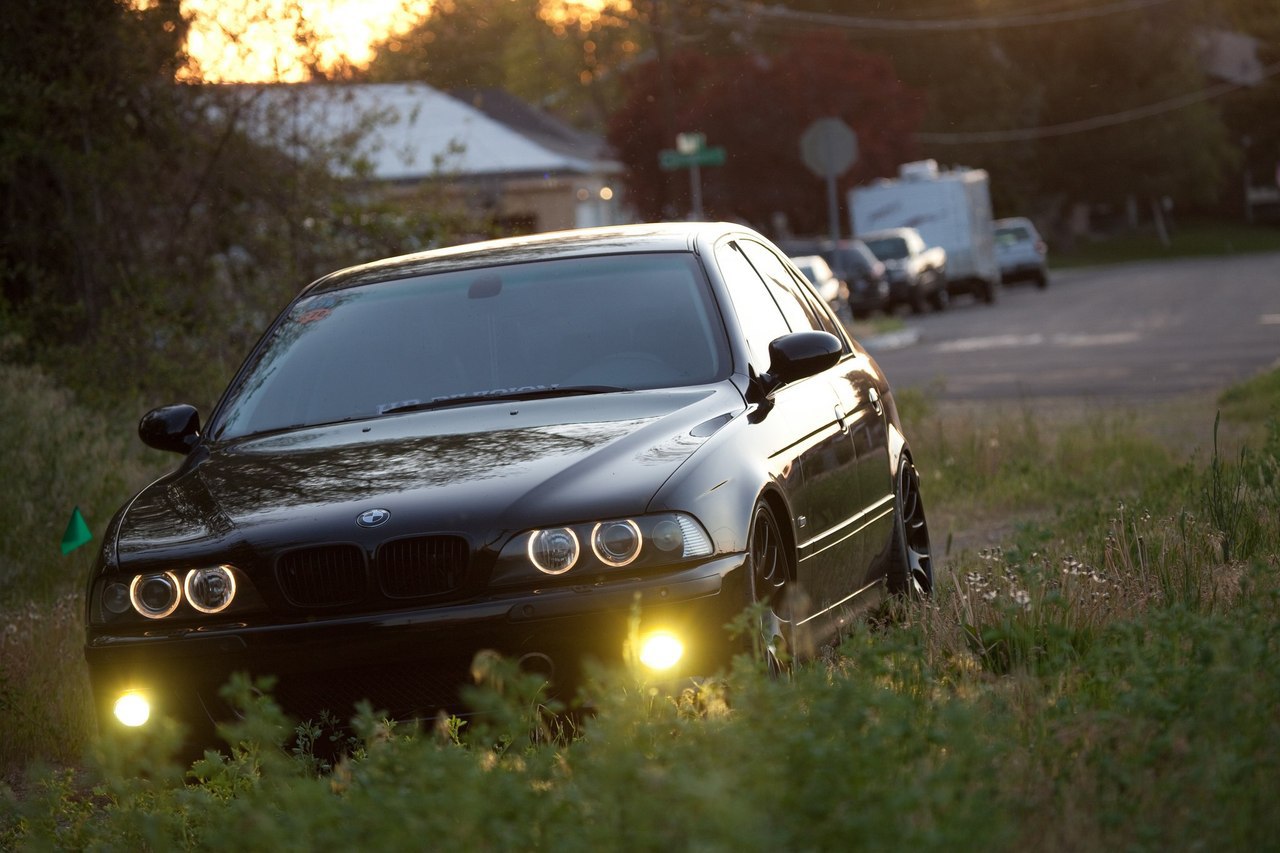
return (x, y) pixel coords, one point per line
(781, 14)
(1028, 134)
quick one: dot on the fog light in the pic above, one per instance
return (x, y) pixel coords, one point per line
(661, 650)
(132, 710)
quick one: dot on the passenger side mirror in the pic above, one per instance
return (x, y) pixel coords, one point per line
(171, 428)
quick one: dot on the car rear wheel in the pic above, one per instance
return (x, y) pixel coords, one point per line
(768, 573)
(910, 566)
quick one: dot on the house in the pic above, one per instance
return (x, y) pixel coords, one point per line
(500, 158)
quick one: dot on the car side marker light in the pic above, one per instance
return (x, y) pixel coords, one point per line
(132, 709)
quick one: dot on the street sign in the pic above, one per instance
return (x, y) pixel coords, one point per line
(829, 147)
(670, 159)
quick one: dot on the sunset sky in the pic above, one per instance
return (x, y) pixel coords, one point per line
(253, 40)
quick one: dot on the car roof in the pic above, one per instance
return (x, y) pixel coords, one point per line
(1013, 222)
(648, 237)
(885, 232)
(809, 260)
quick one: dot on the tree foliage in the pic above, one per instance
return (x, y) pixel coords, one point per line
(152, 228)
(557, 54)
(757, 106)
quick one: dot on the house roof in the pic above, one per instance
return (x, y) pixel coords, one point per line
(415, 131)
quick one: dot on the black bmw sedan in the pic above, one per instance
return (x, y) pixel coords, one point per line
(511, 446)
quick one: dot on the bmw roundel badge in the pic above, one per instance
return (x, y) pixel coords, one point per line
(372, 517)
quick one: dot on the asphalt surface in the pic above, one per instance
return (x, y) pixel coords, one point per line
(1142, 330)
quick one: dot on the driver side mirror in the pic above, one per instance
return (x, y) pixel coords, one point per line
(798, 355)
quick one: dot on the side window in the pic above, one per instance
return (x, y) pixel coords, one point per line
(800, 312)
(757, 311)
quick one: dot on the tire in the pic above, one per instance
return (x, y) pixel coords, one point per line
(918, 300)
(910, 572)
(989, 292)
(768, 574)
(1042, 280)
(941, 297)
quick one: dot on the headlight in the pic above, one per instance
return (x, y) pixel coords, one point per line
(210, 590)
(175, 593)
(616, 543)
(155, 596)
(639, 543)
(553, 551)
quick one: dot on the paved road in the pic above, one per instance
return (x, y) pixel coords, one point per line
(1142, 330)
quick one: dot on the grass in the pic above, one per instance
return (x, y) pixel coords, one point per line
(1100, 675)
(58, 455)
(1192, 239)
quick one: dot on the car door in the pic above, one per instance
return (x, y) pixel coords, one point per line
(806, 430)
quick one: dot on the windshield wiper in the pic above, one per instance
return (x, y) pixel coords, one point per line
(503, 396)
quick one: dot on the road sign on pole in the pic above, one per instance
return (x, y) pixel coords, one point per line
(829, 147)
(690, 153)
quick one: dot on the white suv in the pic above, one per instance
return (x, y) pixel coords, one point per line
(1021, 252)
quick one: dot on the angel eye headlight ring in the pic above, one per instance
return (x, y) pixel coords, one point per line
(210, 589)
(155, 595)
(554, 551)
(616, 543)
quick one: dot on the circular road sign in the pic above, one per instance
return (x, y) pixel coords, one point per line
(829, 147)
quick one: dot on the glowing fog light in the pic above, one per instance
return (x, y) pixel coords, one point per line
(155, 596)
(661, 650)
(616, 543)
(553, 551)
(210, 590)
(132, 710)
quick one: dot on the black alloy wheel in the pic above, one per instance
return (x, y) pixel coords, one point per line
(911, 566)
(769, 570)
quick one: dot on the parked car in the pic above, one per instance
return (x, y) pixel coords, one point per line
(510, 446)
(863, 273)
(832, 290)
(917, 273)
(1022, 253)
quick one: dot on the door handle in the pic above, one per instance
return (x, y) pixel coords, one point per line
(840, 419)
(877, 405)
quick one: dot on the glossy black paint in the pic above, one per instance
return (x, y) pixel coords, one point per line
(813, 434)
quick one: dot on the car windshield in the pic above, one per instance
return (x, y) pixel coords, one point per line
(1014, 234)
(888, 248)
(527, 330)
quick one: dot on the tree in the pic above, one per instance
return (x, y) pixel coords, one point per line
(758, 106)
(552, 54)
(150, 228)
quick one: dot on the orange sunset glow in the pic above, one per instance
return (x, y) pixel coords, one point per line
(237, 41)
(259, 40)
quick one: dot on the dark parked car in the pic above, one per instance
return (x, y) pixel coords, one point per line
(862, 272)
(508, 446)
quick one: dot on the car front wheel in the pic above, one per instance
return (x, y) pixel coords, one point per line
(768, 573)
(910, 565)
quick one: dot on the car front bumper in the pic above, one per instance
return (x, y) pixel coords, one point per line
(412, 663)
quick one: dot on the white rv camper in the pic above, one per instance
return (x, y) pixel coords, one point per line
(951, 209)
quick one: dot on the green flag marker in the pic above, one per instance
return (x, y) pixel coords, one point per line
(77, 532)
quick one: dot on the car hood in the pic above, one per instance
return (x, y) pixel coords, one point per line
(484, 471)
